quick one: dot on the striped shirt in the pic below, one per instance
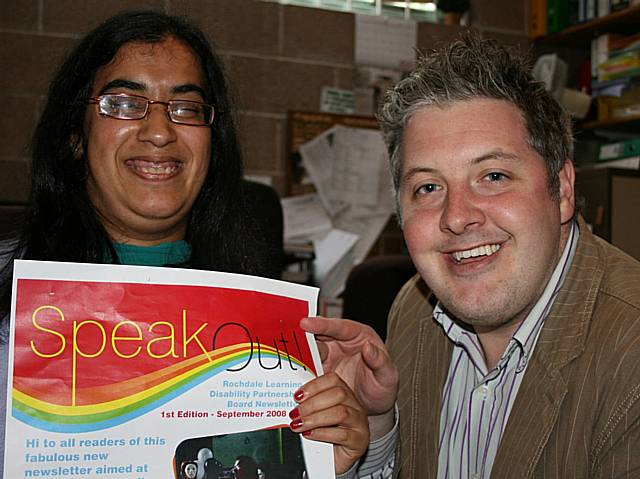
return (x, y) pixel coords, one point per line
(379, 460)
(476, 402)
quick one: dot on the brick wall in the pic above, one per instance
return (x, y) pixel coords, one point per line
(277, 58)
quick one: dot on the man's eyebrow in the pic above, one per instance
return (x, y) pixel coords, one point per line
(495, 155)
(492, 155)
(416, 170)
(122, 83)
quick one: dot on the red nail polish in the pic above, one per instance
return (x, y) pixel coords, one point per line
(298, 395)
(306, 433)
(296, 423)
(294, 413)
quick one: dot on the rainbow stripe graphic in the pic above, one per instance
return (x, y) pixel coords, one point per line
(105, 407)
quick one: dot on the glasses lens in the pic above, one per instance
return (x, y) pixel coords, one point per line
(123, 106)
(190, 113)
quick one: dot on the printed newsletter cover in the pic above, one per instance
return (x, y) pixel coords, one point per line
(148, 373)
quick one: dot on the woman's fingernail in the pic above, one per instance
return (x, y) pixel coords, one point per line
(296, 423)
(306, 433)
(298, 395)
(294, 413)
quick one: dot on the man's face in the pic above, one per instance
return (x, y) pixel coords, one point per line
(479, 219)
(144, 175)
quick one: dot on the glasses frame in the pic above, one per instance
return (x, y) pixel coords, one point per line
(97, 99)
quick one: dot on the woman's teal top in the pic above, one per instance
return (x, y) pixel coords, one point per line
(177, 253)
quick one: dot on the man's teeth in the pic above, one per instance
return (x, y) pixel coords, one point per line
(485, 250)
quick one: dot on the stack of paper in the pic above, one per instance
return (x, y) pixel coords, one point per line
(348, 167)
(334, 260)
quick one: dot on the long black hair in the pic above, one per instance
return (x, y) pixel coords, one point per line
(62, 223)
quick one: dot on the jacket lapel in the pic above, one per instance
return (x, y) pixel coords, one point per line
(420, 397)
(535, 410)
(434, 344)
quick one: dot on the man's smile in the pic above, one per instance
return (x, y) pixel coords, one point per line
(482, 250)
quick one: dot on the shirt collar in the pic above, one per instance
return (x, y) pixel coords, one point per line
(525, 337)
(164, 254)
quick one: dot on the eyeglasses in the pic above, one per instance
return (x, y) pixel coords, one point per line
(134, 107)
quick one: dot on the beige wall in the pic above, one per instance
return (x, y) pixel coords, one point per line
(277, 58)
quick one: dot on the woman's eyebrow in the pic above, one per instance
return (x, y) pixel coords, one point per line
(188, 88)
(122, 83)
(141, 87)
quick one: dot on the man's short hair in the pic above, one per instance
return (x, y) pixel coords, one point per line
(469, 68)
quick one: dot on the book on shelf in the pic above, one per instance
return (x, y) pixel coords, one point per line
(625, 105)
(601, 46)
(557, 15)
(538, 18)
(617, 5)
(615, 56)
(614, 88)
(619, 149)
(604, 8)
(590, 10)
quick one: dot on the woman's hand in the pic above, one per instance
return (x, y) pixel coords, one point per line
(328, 411)
(357, 354)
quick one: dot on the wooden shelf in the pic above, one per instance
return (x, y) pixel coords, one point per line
(579, 36)
(629, 124)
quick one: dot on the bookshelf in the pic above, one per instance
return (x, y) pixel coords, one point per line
(610, 197)
(578, 37)
(630, 125)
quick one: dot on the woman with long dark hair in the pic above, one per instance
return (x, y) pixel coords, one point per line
(136, 161)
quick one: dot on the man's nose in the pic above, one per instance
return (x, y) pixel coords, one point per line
(461, 210)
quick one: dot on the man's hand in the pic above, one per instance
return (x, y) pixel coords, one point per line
(357, 354)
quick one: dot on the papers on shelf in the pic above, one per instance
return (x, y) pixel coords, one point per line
(348, 167)
(334, 258)
(304, 217)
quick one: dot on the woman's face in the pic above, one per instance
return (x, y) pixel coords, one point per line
(144, 175)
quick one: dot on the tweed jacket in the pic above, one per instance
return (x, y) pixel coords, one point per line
(577, 413)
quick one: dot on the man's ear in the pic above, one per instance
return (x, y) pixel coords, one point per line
(567, 177)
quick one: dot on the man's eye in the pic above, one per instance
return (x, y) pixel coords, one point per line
(427, 188)
(496, 176)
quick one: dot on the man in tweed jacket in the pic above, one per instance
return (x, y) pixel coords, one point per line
(518, 344)
(577, 413)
